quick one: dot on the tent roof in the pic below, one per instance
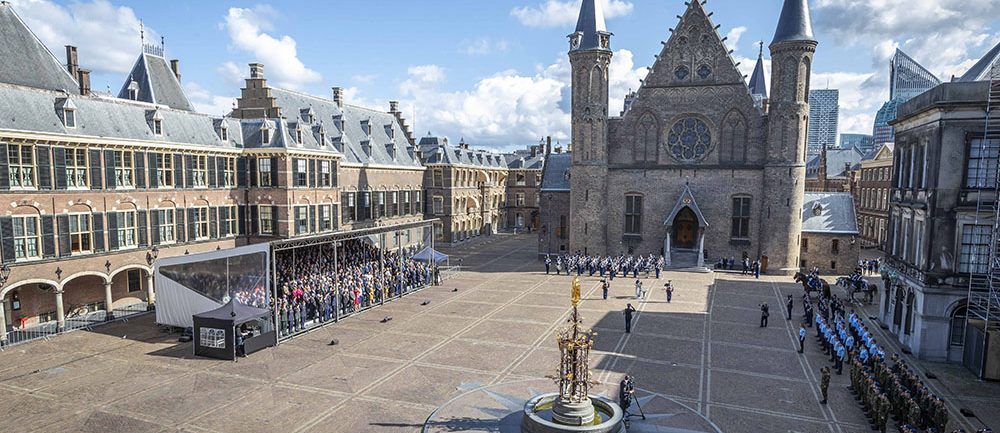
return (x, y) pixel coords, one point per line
(234, 311)
(427, 254)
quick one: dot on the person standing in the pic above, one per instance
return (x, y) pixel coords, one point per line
(763, 315)
(628, 318)
(802, 338)
(824, 382)
(756, 269)
(638, 289)
(669, 288)
(548, 262)
(604, 288)
(788, 306)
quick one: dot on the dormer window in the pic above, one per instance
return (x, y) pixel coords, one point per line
(155, 119)
(265, 134)
(322, 137)
(298, 135)
(366, 127)
(133, 90)
(390, 131)
(69, 118)
(224, 132)
(157, 127)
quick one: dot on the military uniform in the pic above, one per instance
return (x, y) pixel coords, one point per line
(882, 419)
(824, 382)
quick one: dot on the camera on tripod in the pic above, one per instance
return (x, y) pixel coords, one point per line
(625, 396)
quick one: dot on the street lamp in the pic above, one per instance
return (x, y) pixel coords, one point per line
(4, 274)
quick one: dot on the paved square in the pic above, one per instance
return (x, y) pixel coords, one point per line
(704, 350)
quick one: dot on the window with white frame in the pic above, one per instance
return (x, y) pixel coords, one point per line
(266, 220)
(438, 205)
(325, 217)
(519, 199)
(350, 208)
(224, 132)
(76, 168)
(325, 174)
(974, 253)
(438, 176)
(167, 226)
(264, 172)
(69, 117)
(228, 167)
(393, 204)
(27, 241)
(981, 168)
(265, 135)
(199, 173)
(301, 220)
(157, 127)
(201, 223)
(407, 206)
(124, 168)
(165, 170)
(301, 172)
(127, 232)
(21, 165)
(229, 220)
(79, 233)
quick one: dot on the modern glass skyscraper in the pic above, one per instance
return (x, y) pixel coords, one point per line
(864, 143)
(906, 80)
(824, 114)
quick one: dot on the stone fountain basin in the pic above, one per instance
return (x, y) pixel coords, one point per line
(608, 412)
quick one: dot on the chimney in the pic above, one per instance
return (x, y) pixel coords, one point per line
(338, 96)
(548, 145)
(393, 107)
(175, 66)
(83, 77)
(71, 60)
(534, 151)
(257, 71)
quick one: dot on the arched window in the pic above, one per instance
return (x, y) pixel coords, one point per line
(734, 133)
(958, 326)
(645, 139)
(802, 86)
(633, 214)
(741, 217)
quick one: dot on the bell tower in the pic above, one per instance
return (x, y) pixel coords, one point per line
(589, 56)
(792, 53)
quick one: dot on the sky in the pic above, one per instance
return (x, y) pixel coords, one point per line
(493, 72)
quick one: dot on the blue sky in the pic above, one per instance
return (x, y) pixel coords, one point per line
(494, 72)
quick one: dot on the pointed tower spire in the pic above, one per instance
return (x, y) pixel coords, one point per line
(794, 23)
(591, 32)
(757, 85)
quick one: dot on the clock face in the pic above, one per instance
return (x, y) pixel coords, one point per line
(689, 140)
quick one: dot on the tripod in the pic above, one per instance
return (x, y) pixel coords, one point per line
(625, 412)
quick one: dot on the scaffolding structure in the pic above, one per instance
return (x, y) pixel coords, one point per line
(982, 331)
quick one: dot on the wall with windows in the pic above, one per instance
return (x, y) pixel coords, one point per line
(834, 254)
(373, 196)
(553, 235)
(468, 200)
(523, 195)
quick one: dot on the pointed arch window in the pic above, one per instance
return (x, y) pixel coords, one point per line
(646, 142)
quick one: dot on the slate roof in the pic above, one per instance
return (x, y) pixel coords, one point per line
(590, 25)
(829, 212)
(156, 83)
(361, 135)
(757, 84)
(526, 162)
(24, 60)
(835, 161)
(438, 150)
(794, 24)
(686, 200)
(981, 70)
(555, 174)
(27, 109)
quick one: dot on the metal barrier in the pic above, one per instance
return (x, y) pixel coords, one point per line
(318, 322)
(85, 320)
(449, 272)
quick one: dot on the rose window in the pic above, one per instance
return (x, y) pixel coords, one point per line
(689, 140)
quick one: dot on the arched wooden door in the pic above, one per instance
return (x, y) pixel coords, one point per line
(685, 227)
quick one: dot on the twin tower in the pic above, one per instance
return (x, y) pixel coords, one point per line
(695, 168)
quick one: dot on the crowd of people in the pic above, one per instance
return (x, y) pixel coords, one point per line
(886, 389)
(621, 265)
(870, 267)
(746, 266)
(316, 284)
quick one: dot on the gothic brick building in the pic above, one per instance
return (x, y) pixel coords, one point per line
(697, 163)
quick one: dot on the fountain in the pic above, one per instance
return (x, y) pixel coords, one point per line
(573, 409)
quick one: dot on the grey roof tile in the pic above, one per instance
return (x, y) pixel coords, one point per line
(981, 70)
(794, 24)
(24, 60)
(555, 174)
(156, 83)
(829, 212)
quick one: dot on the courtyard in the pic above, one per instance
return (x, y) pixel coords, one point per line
(494, 323)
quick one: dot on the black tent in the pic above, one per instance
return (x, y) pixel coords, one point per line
(215, 331)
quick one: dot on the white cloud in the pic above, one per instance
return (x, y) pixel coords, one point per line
(507, 109)
(107, 36)
(483, 46)
(231, 74)
(248, 31)
(205, 101)
(363, 78)
(562, 13)
(733, 37)
(945, 36)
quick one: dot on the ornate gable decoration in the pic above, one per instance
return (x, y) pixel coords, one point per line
(686, 200)
(694, 54)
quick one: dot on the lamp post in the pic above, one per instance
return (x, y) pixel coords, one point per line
(4, 275)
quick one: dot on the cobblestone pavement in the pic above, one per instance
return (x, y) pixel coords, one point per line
(704, 350)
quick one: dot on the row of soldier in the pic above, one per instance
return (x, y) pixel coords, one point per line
(612, 266)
